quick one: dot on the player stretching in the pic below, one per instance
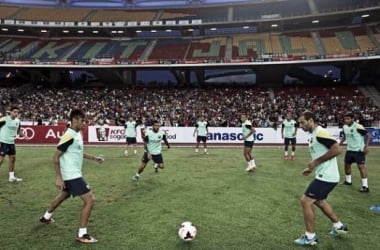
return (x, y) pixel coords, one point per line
(248, 137)
(152, 149)
(289, 133)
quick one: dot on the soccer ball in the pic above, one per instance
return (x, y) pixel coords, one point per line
(187, 231)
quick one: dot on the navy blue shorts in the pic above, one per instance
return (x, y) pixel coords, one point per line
(288, 141)
(201, 138)
(156, 158)
(248, 144)
(319, 190)
(7, 149)
(353, 156)
(131, 140)
(76, 187)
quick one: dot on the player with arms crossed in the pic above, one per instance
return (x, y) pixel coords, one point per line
(152, 149)
(9, 129)
(68, 161)
(289, 133)
(248, 137)
(201, 129)
(323, 149)
(357, 147)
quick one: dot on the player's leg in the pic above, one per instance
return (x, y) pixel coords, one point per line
(360, 160)
(286, 147)
(204, 140)
(144, 161)
(348, 160)
(293, 142)
(47, 217)
(249, 157)
(126, 146)
(159, 161)
(12, 161)
(135, 146)
(310, 237)
(197, 145)
(338, 227)
(88, 203)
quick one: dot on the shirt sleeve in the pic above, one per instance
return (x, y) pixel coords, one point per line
(65, 142)
(2, 121)
(324, 138)
(361, 130)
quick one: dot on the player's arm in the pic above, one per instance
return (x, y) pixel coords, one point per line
(195, 129)
(146, 140)
(252, 130)
(2, 121)
(361, 130)
(166, 141)
(334, 150)
(207, 127)
(59, 182)
(93, 157)
(295, 129)
(282, 130)
(343, 139)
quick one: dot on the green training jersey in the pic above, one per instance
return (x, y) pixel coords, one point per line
(153, 141)
(9, 129)
(355, 137)
(319, 143)
(246, 126)
(70, 162)
(289, 128)
(202, 128)
(130, 129)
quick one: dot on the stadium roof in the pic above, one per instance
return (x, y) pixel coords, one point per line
(125, 3)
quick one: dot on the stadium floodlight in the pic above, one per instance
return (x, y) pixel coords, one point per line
(274, 25)
(315, 21)
(138, 31)
(4, 29)
(20, 30)
(80, 31)
(246, 27)
(365, 15)
(65, 31)
(95, 31)
(44, 31)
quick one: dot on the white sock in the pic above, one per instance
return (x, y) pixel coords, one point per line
(155, 165)
(82, 231)
(47, 215)
(310, 235)
(196, 150)
(135, 151)
(11, 175)
(286, 153)
(365, 182)
(337, 224)
(292, 153)
(137, 174)
(252, 163)
(205, 150)
(348, 178)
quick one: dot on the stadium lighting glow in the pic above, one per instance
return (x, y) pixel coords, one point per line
(246, 27)
(315, 21)
(120, 31)
(190, 29)
(365, 15)
(138, 31)
(20, 30)
(213, 29)
(65, 31)
(80, 31)
(4, 29)
(113, 32)
(43, 31)
(168, 30)
(153, 31)
(275, 25)
(95, 31)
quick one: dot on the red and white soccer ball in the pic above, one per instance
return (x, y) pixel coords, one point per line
(187, 231)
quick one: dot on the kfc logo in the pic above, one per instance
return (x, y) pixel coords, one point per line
(102, 133)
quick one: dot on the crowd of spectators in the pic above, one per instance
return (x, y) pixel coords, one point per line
(221, 106)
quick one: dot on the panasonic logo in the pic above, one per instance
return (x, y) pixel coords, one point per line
(231, 136)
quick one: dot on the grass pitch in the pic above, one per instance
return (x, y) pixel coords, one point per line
(232, 209)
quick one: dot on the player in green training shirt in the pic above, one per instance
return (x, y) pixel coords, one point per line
(131, 134)
(152, 149)
(323, 149)
(9, 129)
(201, 129)
(289, 133)
(248, 138)
(357, 147)
(68, 160)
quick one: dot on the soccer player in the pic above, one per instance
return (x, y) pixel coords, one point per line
(323, 149)
(68, 161)
(289, 133)
(9, 129)
(248, 137)
(357, 147)
(131, 134)
(152, 149)
(201, 129)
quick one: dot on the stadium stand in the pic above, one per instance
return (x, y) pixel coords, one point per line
(105, 15)
(52, 14)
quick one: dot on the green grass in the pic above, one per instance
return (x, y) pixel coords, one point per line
(232, 209)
